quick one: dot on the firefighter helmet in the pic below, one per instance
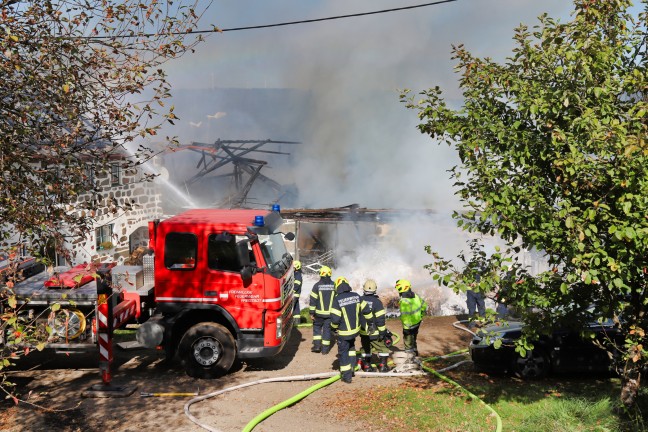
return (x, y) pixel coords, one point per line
(340, 280)
(325, 271)
(403, 285)
(370, 286)
(297, 265)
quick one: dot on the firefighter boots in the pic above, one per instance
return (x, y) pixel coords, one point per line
(382, 367)
(365, 365)
(362, 365)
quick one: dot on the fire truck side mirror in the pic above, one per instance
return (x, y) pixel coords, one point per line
(243, 254)
(246, 274)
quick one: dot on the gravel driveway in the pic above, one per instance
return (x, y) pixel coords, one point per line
(56, 382)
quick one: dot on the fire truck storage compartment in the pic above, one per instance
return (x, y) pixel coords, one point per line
(129, 278)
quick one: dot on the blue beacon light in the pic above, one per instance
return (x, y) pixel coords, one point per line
(258, 221)
(276, 207)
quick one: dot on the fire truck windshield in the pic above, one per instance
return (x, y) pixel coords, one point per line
(274, 251)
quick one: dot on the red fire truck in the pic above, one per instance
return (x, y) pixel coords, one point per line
(214, 285)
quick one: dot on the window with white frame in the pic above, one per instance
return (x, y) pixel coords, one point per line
(103, 237)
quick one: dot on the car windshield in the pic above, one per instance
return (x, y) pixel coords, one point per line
(589, 317)
(274, 251)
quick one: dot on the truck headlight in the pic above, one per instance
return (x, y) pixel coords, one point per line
(279, 327)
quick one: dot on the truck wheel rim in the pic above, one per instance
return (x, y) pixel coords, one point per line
(206, 351)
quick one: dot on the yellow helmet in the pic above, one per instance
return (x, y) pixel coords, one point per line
(403, 285)
(297, 265)
(325, 271)
(370, 286)
(340, 280)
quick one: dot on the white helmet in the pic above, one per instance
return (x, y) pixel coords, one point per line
(370, 286)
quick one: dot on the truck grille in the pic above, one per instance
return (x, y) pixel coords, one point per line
(287, 288)
(287, 322)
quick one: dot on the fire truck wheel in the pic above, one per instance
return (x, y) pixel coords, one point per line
(207, 350)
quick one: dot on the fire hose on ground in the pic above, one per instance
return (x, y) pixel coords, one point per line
(438, 374)
(332, 377)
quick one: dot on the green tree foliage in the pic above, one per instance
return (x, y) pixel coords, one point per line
(80, 79)
(554, 157)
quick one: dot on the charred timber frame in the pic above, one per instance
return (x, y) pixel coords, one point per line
(351, 213)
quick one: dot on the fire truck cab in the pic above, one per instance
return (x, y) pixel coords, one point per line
(223, 288)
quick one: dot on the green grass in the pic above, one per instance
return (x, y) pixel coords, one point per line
(559, 404)
(570, 415)
(419, 409)
(305, 316)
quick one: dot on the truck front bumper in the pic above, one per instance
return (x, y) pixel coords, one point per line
(252, 346)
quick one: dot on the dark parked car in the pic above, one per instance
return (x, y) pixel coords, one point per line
(562, 351)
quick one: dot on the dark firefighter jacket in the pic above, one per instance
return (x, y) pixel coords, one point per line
(375, 326)
(321, 297)
(298, 283)
(346, 312)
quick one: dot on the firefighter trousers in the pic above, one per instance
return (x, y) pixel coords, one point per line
(409, 338)
(296, 310)
(322, 333)
(347, 356)
(373, 346)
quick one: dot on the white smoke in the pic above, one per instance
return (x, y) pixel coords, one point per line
(400, 253)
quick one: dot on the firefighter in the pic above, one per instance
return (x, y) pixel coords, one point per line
(475, 300)
(374, 332)
(321, 300)
(346, 321)
(298, 288)
(412, 308)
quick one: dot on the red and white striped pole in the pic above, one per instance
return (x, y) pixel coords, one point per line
(104, 326)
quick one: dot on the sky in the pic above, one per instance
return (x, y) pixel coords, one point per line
(361, 144)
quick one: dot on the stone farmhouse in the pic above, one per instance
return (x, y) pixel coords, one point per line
(115, 235)
(118, 234)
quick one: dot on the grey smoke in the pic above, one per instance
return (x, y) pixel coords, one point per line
(360, 143)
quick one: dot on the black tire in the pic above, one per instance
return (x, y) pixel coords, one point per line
(207, 350)
(534, 365)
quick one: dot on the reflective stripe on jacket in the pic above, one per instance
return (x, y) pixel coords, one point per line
(321, 297)
(298, 283)
(345, 313)
(376, 325)
(412, 309)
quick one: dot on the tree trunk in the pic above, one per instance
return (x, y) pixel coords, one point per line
(631, 381)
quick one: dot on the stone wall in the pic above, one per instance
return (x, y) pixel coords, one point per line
(144, 200)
